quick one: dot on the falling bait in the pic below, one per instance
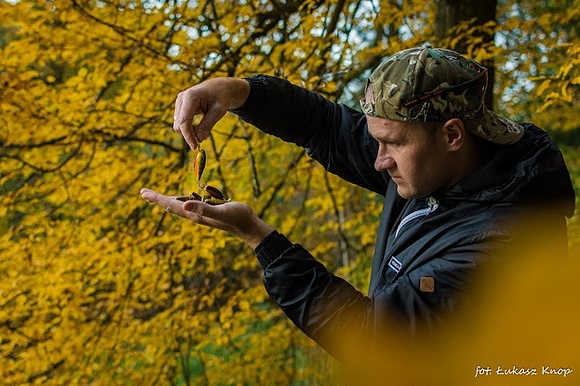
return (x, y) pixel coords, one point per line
(199, 163)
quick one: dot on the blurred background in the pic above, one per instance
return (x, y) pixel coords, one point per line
(98, 287)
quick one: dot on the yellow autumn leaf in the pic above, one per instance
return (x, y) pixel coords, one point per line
(244, 305)
(543, 87)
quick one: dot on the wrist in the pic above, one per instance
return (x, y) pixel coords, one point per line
(241, 94)
(259, 232)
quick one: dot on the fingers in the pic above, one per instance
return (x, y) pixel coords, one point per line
(208, 98)
(177, 112)
(196, 211)
(188, 132)
(211, 117)
(169, 203)
(183, 118)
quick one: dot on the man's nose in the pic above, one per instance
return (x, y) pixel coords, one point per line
(384, 162)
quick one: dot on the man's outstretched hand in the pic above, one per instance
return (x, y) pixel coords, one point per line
(211, 99)
(233, 217)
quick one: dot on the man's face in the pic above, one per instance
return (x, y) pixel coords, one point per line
(413, 154)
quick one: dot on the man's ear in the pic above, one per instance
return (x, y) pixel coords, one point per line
(454, 134)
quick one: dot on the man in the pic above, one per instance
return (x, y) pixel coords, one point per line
(455, 177)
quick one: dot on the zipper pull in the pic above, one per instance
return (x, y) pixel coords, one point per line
(433, 203)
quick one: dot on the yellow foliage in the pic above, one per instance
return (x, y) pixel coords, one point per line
(563, 86)
(99, 287)
(535, 51)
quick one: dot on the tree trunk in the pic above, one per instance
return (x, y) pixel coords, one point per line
(452, 12)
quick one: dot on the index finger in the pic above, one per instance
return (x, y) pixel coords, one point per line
(185, 109)
(177, 111)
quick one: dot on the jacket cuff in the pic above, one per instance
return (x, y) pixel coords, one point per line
(257, 88)
(272, 247)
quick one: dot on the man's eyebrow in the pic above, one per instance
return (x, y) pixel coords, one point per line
(387, 138)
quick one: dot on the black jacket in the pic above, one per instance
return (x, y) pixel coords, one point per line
(420, 269)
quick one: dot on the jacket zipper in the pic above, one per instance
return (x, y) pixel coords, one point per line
(433, 205)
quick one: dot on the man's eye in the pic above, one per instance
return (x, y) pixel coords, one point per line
(392, 143)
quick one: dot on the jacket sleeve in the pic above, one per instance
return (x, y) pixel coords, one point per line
(332, 133)
(325, 307)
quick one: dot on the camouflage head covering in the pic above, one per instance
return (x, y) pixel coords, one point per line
(434, 85)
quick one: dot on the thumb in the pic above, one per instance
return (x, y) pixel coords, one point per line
(205, 214)
(210, 118)
(200, 208)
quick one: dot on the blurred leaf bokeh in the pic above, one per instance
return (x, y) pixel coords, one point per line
(100, 288)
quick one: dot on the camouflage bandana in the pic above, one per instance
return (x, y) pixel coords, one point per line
(434, 85)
